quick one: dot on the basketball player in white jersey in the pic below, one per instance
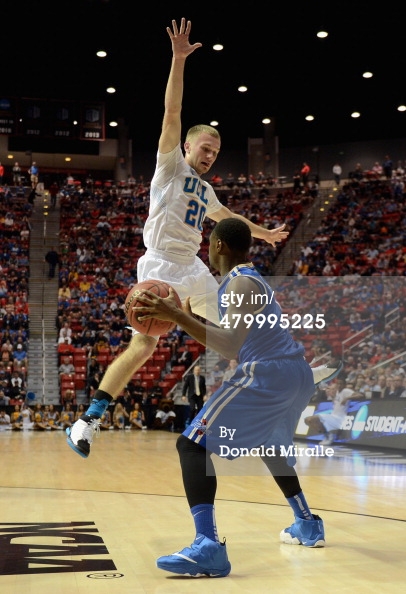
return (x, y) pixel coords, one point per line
(179, 202)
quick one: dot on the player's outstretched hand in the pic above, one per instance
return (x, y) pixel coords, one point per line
(181, 48)
(274, 236)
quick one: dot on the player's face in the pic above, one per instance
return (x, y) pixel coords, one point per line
(201, 152)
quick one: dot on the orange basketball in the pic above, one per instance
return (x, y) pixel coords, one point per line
(153, 326)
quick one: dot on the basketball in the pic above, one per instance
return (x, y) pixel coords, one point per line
(153, 326)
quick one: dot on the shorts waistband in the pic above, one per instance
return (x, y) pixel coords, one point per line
(170, 256)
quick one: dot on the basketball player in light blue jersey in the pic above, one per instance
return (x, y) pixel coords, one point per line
(261, 403)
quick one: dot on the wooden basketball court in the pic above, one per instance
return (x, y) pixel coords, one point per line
(70, 525)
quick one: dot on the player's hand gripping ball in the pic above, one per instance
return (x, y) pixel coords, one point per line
(153, 326)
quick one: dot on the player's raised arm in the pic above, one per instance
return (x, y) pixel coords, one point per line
(272, 236)
(181, 49)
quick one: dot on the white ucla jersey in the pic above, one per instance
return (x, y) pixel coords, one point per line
(179, 203)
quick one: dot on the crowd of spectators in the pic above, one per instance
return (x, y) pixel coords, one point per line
(363, 234)
(15, 227)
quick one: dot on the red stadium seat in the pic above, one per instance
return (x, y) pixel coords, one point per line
(79, 359)
(103, 359)
(166, 386)
(159, 360)
(155, 370)
(178, 370)
(148, 379)
(172, 378)
(80, 381)
(166, 351)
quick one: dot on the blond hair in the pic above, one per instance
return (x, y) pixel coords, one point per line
(200, 129)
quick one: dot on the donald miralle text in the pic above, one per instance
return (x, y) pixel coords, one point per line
(227, 450)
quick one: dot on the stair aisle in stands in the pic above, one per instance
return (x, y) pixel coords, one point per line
(43, 296)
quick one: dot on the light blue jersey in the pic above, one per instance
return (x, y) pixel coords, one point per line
(262, 402)
(265, 342)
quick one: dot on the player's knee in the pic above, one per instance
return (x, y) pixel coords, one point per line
(143, 341)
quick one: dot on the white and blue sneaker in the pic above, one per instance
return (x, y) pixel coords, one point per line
(204, 557)
(326, 372)
(80, 435)
(309, 533)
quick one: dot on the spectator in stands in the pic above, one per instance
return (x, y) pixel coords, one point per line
(27, 415)
(17, 386)
(115, 342)
(394, 388)
(67, 415)
(387, 166)
(215, 377)
(4, 400)
(230, 181)
(164, 417)
(40, 422)
(33, 172)
(101, 345)
(138, 391)
(64, 295)
(137, 417)
(5, 421)
(358, 173)
(20, 357)
(65, 331)
(216, 180)
(52, 258)
(79, 411)
(16, 418)
(185, 357)
(377, 170)
(87, 340)
(379, 388)
(128, 404)
(84, 284)
(304, 173)
(93, 381)
(7, 346)
(65, 348)
(32, 196)
(1, 174)
(16, 174)
(53, 192)
(52, 416)
(229, 372)
(105, 421)
(151, 403)
(120, 416)
(69, 397)
(337, 173)
(66, 367)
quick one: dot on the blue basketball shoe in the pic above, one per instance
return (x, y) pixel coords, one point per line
(309, 533)
(204, 557)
